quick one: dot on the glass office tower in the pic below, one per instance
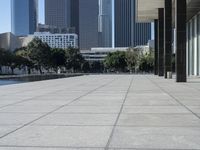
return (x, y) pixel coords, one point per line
(58, 13)
(88, 24)
(24, 17)
(129, 33)
(105, 23)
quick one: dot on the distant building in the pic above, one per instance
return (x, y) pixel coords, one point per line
(75, 15)
(128, 33)
(55, 29)
(58, 13)
(9, 41)
(62, 16)
(24, 17)
(58, 40)
(100, 53)
(105, 23)
(88, 24)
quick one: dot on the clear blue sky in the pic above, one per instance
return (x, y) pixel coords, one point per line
(5, 15)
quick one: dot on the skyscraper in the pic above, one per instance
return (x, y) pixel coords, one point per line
(88, 24)
(24, 17)
(128, 33)
(58, 13)
(75, 15)
(105, 23)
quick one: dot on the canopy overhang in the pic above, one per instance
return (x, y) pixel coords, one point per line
(147, 10)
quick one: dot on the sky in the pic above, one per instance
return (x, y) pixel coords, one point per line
(5, 15)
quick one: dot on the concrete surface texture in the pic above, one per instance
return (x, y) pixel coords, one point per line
(97, 112)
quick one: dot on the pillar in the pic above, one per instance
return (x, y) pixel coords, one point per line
(161, 42)
(180, 24)
(156, 47)
(167, 37)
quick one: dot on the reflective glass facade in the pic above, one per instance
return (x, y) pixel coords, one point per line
(105, 23)
(24, 16)
(129, 33)
(193, 46)
(88, 24)
(58, 13)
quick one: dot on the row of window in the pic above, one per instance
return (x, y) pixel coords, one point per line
(57, 37)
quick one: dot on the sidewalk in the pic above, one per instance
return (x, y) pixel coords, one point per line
(100, 112)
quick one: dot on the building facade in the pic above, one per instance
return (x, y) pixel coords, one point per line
(58, 13)
(129, 33)
(182, 17)
(63, 41)
(100, 53)
(88, 24)
(193, 45)
(9, 41)
(75, 15)
(105, 23)
(54, 29)
(24, 17)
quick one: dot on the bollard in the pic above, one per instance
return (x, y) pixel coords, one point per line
(169, 75)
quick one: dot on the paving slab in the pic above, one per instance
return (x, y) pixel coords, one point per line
(59, 136)
(44, 148)
(157, 110)
(17, 118)
(78, 120)
(156, 138)
(5, 129)
(160, 120)
(101, 112)
(90, 110)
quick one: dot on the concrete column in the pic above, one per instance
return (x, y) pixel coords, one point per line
(168, 37)
(156, 47)
(180, 23)
(161, 41)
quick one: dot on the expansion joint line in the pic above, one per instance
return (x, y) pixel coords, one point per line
(76, 99)
(173, 97)
(117, 119)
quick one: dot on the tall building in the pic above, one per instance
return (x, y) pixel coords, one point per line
(75, 15)
(105, 23)
(127, 31)
(24, 16)
(88, 24)
(58, 13)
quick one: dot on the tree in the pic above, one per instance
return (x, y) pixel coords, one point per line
(96, 67)
(58, 58)
(3, 58)
(74, 59)
(133, 59)
(24, 54)
(39, 54)
(147, 62)
(85, 67)
(116, 61)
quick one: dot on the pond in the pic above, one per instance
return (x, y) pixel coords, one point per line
(6, 80)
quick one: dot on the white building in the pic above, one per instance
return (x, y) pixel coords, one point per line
(58, 40)
(99, 54)
(9, 41)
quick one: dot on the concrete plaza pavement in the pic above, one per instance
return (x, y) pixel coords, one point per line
(98, 112)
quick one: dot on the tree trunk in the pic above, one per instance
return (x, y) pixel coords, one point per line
(29, 70)
(40, 69)
(12, 69)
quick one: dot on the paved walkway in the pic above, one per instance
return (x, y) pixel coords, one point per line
(100, 112)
